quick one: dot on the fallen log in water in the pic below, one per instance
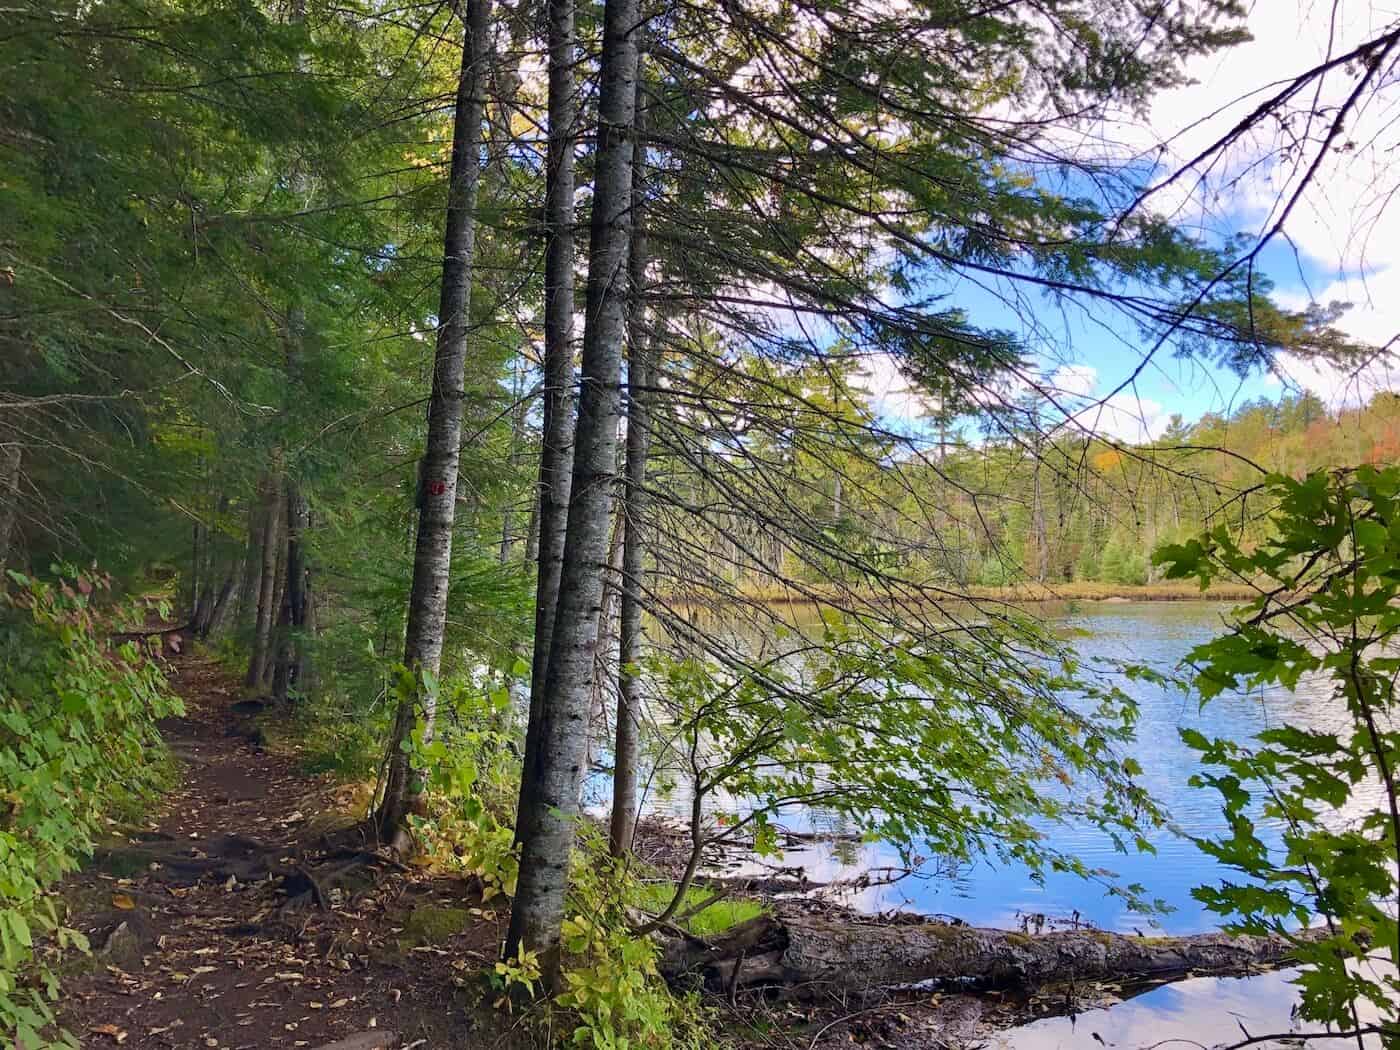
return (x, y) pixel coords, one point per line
(827, 954)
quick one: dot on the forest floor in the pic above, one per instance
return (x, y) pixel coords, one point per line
(185, 955)
(207, 932)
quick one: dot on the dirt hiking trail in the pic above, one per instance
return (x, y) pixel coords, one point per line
(227, 922)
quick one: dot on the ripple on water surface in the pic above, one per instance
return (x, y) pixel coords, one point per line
(1204, 1011)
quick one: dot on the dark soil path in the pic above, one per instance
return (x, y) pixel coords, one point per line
(206, 932)
(222, 922)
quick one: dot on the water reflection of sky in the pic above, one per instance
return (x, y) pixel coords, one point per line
(1204, 1011)
(1199, 1012)
(994, 894)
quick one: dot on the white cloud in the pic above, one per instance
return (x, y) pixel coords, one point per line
(1373, 299)
(1123, 417)
(1341, 387)
(1346, 223)
(1073, 380)
(1347, 219)
(891, 395)
(1373, 317)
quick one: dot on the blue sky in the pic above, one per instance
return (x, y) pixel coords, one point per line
(1341, 243)
(1085, 352)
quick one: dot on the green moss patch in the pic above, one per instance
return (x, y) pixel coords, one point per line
(432, 924)
(652, 897)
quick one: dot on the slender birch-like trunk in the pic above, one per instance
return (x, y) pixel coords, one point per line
(517, 438)
(532, 535)
(279, 594)
(437, 478)
(222, 604)
(555, 772)
(627, 737)
(197, 553)
(556, 454)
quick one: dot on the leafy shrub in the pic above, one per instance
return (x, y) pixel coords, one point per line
(611, 981)
(77, 737)
(1328, 580)
(1122, 563)
(330, 742)
(614, 987)
(473, 778)
(613, 992)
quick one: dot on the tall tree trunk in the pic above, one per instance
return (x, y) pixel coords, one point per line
(556, 769)
(248, 591)
(607, 617)
(279, 595)
(204, 607)
(627, 738)
(532, 534)
(437, 484)
(556, 453)
(199, 541)
(9, 497)
(223, 603)
(212, 577)
(269, 557)
(612, 586)
(307, 672)
(291, 644)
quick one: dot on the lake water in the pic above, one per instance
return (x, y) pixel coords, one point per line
(1205, 1011)
(990, 894)
(1185, 1015)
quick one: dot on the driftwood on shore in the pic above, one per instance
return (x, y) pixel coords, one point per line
(829, 954)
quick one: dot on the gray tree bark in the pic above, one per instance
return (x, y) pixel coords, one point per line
(556, 769)
(556, 453)
(627, 735)
(825, 955)
(532, 534)
(437, 488)
(198, 583)
(517, 431)
(291, 644)
(223, 603)
(271, 534)
(248, 590)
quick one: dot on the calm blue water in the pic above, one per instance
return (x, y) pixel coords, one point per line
(1198, 1012)
(994, 894)
(1187, 1015)
(989, 894)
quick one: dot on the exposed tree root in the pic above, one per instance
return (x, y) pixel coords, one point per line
(351, 870)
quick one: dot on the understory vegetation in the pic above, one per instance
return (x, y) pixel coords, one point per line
(543, 408)
(79, 755)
